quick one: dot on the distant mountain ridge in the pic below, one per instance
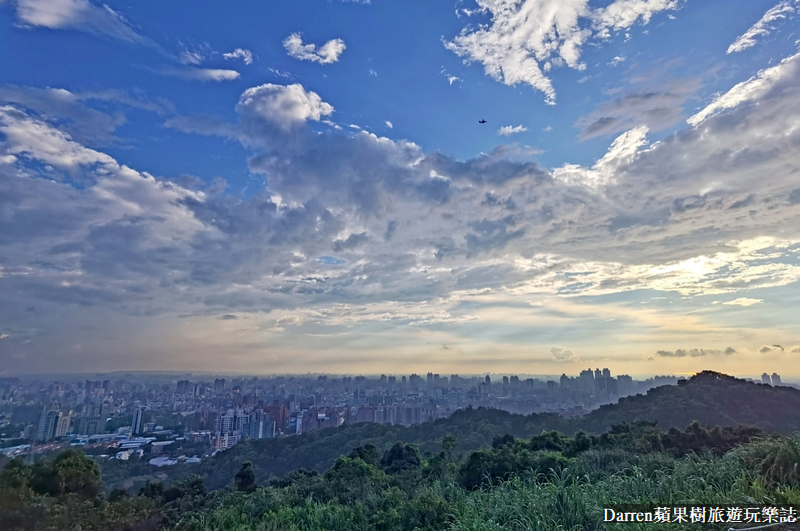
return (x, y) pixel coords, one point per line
(709, 397)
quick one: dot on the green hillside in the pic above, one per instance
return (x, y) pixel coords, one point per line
(709, 397)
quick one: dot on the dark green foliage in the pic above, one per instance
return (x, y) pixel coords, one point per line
(353, 480)
(400, 457)
(117, 494)
(367, 453)
(246, 478)
(506, 461)
(153, 490)
(318, 450)
(69, 473)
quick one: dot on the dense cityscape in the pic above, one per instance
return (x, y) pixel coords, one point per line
(162, 418)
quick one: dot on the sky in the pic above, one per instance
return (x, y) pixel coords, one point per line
(302, 186)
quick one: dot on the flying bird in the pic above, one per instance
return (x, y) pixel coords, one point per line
(481, 121)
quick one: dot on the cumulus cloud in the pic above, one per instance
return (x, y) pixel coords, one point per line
(763, 27)
(509, 130)
(621, 154)
(527, 39)
(562, 353)
(283, 105)
(326, 54)
(240, 53)
(77, 14)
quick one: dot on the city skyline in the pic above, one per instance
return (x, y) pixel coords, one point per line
(394, 187)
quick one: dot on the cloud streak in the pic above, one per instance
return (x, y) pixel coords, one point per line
(763, 27)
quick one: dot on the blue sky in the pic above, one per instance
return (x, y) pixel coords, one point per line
(304, 186)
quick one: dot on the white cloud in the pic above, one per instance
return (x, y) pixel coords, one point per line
(284, 106)
(509, 130)
(752, 89)
(202, 74)
(389, 124)
(762, 28)
(37, 140)
(4, 335)
(621, 153)
(743, 301)
(617, 60)
(622, 14)
(328, 53)
(562, 353)
(527, 38)
(77, 14)
(240, 53)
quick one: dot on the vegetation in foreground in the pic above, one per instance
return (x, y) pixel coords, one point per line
(548, 481)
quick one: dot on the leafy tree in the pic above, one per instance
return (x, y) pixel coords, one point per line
(246, 478)
(76, 473)
(400, 457)
(367, 453)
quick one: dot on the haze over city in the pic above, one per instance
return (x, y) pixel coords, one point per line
(261, 191)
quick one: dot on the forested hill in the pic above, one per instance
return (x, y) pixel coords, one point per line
(710, 397)
(317, 450)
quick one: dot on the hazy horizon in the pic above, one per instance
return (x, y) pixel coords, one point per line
(258, 190)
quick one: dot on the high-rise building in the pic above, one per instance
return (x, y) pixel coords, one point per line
(62, 424)
(776, 378)
(90, 425)
(765, 379)
(54, 424)
(606, 373)
(47, 426)
(625, 384)
(219, 386)
(183, 387)
(138, 420)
